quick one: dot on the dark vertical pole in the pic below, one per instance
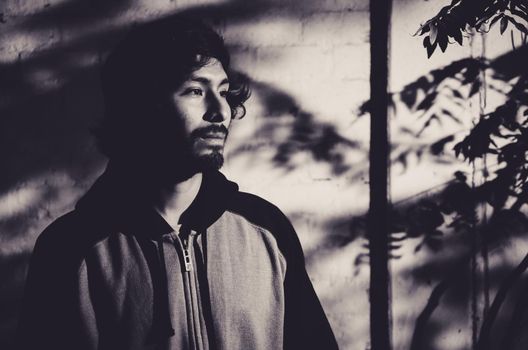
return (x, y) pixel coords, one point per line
(379, 294)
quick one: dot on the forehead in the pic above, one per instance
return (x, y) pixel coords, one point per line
(212, 72)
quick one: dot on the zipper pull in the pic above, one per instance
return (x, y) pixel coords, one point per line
(187, 245)
(187, 258)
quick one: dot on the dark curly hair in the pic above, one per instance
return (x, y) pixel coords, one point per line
(152, 60)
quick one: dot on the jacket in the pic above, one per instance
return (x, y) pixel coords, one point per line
(112, 274)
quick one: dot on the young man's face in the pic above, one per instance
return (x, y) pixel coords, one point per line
(201, 104)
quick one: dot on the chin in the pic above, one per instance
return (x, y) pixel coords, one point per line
(211, 161)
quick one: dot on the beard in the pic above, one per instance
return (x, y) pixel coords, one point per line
(207, 156)
(160, 157)
(211, 161)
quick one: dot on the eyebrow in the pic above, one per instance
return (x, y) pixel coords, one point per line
(204, 80)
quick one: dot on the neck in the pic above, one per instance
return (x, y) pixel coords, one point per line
(173, 200)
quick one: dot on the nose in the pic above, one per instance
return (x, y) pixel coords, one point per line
(218, 109)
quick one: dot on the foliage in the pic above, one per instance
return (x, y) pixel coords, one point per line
(504, 133)
(457, 81)
(460, 17)
(436, 98)
(501, 135)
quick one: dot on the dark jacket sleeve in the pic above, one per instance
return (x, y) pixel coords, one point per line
(306, 325)
(56, 311)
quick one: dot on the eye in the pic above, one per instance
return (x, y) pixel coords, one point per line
(224, 93)
(193, 91)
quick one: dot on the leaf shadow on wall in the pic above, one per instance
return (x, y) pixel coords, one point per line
(449, 221)
(305, 134)
(51, 99)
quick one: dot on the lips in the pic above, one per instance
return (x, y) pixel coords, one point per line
(211, 131)
(214, 136)
(210, 136)
(213, 139)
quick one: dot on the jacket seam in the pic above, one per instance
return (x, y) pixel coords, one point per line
(89, 249)
(260, 228)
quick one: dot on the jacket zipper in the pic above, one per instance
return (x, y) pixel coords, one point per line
(185, 241)
(187, 246)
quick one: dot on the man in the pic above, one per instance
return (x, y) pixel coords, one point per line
(164, 252)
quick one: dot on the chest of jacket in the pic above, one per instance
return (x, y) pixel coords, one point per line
(222, 288)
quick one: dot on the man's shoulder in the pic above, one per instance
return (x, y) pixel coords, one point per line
(70, 234)
(61, 229)
(268, 216)
(257, 209)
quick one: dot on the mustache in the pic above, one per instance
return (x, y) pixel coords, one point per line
(209, 130)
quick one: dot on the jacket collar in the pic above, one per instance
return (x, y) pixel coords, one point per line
(111, 200)
(210, 202)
